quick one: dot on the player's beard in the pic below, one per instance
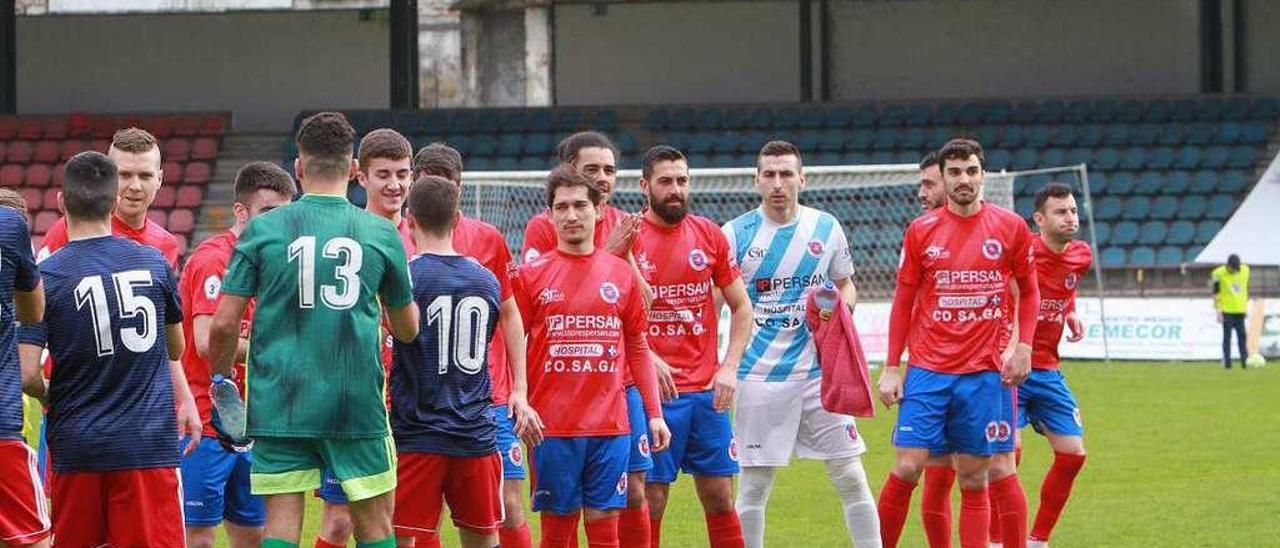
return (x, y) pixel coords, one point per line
(670, 212)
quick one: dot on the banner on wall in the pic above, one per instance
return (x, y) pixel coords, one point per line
(1176, 329)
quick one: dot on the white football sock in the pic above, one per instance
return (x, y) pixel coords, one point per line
(754, 486)
(860, 515)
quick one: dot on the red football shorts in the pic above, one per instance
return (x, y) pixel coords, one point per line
(24, 510)
(118, 508)
(472, 486)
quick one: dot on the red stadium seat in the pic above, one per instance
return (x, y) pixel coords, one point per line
(186, 126)
(34, 198)
(100, 145)
(46, 152)
(172, 172)
(59, 171)
(158, 216)
(103, 126)
(165, 197)
(8, 128)
(204, 148)
(197, 173)
(39, 175)
(189, 196)
(50, 200)
(79, 124)
(3, 146)
(159, 125)
(213, 125)
(30, 128)
(72, 147)
(11, 175)
(182, 244)
(44, 221)
(181, 221)
(55, 127)
(176, 150)
(19, 152)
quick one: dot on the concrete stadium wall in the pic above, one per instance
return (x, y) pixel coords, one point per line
(654, 53)
(265, 67)
(999, 48)
(1262, 43)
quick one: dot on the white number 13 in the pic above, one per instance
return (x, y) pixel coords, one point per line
(339, 296)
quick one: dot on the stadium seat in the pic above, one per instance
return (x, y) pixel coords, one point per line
(1184, 110)
(1147, 183)
(39, 175)
(1206, 230)
(1109, 208)
(49, 202)
(894, 115)
(706, 119)
(1102, 231)
(1024, 207)
(1164, 207)
(181, 221)
(1079, 155)
(1215, 157)
(1160, 158)
(971, 114)
(1227, 133)
(59, 171)
(1134, 158)
(44, 221)
(8, 128)
(1064, 136)
(1052, 157)
(1142, 257)
(1203, 182)
(34, 198)
(30, 129)
(886, 139)
(1254, 133)
(1198, 134)
(1121, 184)
(1187, 157)
(1220, 206)
(1124, 233)
(189, 196)
(1136, 208)
(1024, 158)
(1209, 109)
(1233, 182)
(18, 152)
(1193, 251)
(176, 150)
(1152, 233)
(1242, 157)
(1176, 182)
(1117, 135)
(1104, 111)
(212, 125)
(158, 216)
(1192, 207)
(185, 125)
(204, 148)
(11, 175)
(1038, 136)
(1107, 158)
(71, 147)
(1113, 257)
(998, 159)
(919, 114)
(171, 173)
(166, 195)
(510, 144)
(1180, 233)
(46, 152)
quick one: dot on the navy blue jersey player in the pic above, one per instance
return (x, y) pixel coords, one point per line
(112, 324)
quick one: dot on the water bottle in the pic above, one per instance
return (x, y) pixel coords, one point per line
(231, 412)
(827, 296)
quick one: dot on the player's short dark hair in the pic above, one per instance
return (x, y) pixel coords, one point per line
(255, 176)
(1052, 189)
(440, 160)
(929, 160)
(565, 176)
(570, 146)
(11, 199)
(326, 139)
(89, 186)
(134, 140)
(1233, 262)
(778, 148)
(433, 204)
(383, 143)
(659, 153)
(961, 149)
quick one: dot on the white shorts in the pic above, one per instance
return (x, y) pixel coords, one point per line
(773, 420)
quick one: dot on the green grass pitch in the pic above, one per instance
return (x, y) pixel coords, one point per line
(1179, 455)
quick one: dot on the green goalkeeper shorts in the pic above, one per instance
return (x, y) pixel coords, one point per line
(365, 467)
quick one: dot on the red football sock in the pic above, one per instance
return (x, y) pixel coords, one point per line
(515, 537)
(974, 515)
(1054, 493)
(559, 531)
(895, 502)
(655, 532)
(935, 505)
(1010, 511)
(603, 533)
(633, 527)
(993, 528)
(322, 543)
(724, 530)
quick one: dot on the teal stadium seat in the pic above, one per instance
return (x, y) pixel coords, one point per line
(1130, 111)
(1142, 257)
(913, 138)
(1254, 133)
(1122, 183)
(1176, 182)
(1102, 230)
(1220, 206)
(1215, 157)
(998, 112)
(1228, 133)
(1079, 155)
(1053, 157)
(859, 139)
(1116, 135)
(1199, 134)
(736, 118)
(1025, 112)
(1012, 136)
(1233, 182)
(1104, 111)
(761, 118)
(657, 120)
(543, 121)
(1024, 158)
(1038, 136)
(1184, 110)
(1124, 233)
(1160, 158)
(1164, 207)
(1209, 109)
(1235, 108)
(1169, 255)
(1152, 233)
(1242, 157)
(489, 121)
(1051, 112)
(1106, 159)
(1136, 208)
(971, 114)
(1090, 135)
(946, 114)
(866, 116)
(1180, 233)
(1158, 111)
(1206, 230)
(1187, 157)
(814, 118)
(1109, 208)
(919, 114)
(1113, 257)
(1098, 184)
(1167, 134)
(1192, 207)
(1078, 112)
(1134, 158)
(894, 115)
(998, 159)
(1265, 108)
(1064, 136)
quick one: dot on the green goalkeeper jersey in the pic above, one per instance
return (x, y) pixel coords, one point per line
(317, 268)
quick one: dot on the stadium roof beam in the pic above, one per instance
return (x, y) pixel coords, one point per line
(404, 54)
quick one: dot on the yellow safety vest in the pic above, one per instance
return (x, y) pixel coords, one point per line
(1233, 289)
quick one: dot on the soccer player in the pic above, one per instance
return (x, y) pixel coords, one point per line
(319, 269)
(136, 154)
(683, 257)
(24, 514)
(1044, 400)
(785, 250)
(483, 242)
(931, 193)
(383, 156)
(215, 477)
(9, 198)
(580, 307)
(594, 156)
(441, 413)
(951, 306)
(1230, 283)
(112, 323)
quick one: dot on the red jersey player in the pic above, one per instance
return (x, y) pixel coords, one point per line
(683, 257)
(952, 308)
(1044, 401)
(484, 243)
(580, 307)
(216, 477)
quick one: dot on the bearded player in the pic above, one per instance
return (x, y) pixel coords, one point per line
(1044, 400)
(581, 306)
(951, 306)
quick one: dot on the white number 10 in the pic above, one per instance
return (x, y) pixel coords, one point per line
(468, 324)
(340, 296)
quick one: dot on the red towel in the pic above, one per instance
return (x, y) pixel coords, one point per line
(846, 382)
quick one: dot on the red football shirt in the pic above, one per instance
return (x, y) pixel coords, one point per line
(681, 264)
(200, 288)
(151, 234)
(961, 268)
(1059, 275)
(482, 241)
(540, 234)
(578, 311)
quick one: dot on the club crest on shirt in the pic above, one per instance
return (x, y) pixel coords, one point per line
(642, 261)
(515, 454)
(1071, 280)
(609, 292)
(622, 484)
(642, 445)
(998, 431)
(733, 449)
(212, 286)
(992, 249)
(815, 248)
(1075, 414)
(698, 259)
(530, 255)
(852, 430)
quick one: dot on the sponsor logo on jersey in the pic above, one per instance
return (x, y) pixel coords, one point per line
(996, 300)
(992, 249)
(698, 259)
(558, 322)
(673, 291)
(550, 295)
(642, 445)
(962, 301)
(935, 252)
(805, 282)
(1071, 281)
(609, 292)
(756, 252)
(576, 350)
(642, 261)
(948, 277)
(622, 484)
(671, 316)
(515, 454)
(212, 286)
(612, 352)
(815, 248)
